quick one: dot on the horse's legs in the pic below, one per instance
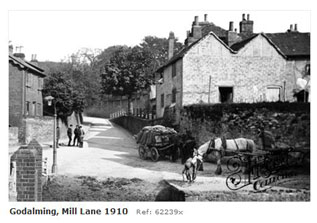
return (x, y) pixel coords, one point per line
(218, 170)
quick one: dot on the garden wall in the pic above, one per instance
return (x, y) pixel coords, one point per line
(289, 122)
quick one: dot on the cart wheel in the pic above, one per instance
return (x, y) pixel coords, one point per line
(154, 154)
(142, 152)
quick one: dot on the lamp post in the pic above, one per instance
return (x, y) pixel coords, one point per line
(50, 100)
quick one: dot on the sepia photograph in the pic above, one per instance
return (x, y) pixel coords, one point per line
(158, 105)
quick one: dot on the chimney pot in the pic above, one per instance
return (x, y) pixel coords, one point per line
(235, 30)
(187, 33)
(230, 26)
(196, 21)
(243, 16)
(295, 27)
(291, 27)
(171, 40)
(248, 17)
(171, 35)
(206, 17)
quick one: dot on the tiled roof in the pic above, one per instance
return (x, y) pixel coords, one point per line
(237, 46)
(292, 44)
(220, 32)
(26, 65)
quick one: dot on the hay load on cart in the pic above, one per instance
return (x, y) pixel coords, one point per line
(157, 141)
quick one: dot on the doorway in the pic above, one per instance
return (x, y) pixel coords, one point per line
(226, 94)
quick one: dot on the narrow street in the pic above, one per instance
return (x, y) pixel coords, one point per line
(110, 156)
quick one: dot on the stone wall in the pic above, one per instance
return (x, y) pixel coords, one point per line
(135, 124)
(289, 122)
(41, 128)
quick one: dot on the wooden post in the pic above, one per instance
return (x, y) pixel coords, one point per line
(209, 89)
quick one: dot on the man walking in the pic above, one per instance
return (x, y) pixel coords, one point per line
(76, 136)
(69, 134)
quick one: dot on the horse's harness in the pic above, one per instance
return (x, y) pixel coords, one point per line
(223, 148)
(211, 146)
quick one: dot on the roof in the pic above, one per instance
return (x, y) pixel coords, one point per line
(26, 65)
(237, 46)
(292, 44)
(183, 51)
(220, 32)
(289, 45)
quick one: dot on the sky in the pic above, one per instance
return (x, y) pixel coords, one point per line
(55, 35)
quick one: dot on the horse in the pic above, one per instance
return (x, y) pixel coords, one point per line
(222, 146)
(193, 163)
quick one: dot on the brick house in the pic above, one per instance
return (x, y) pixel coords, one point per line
(224, 66)
(25, 89)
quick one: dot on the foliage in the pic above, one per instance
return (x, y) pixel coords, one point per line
(127, 72)
(215, 111)
(67, 98)
(158, 50)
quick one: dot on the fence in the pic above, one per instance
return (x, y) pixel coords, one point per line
(136, 112)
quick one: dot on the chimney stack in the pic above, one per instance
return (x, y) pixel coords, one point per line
(10, 49)
(231, 26)
(34, 60)
(246, 26)
(196, 29)
(171, 40)
(18, 52)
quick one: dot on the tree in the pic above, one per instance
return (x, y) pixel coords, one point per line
(67, 99)
(158, 49)
(127, 72)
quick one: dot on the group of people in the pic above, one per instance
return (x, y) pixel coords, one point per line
(78, 135)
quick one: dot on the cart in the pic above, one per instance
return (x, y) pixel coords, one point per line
(157, 141)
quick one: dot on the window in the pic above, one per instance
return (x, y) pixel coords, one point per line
(273, 93)
(27, 108)
(226, 94)
(33, 108)
(38, 110)
(28, 79)
(174, 95)
(162, 100)
(40, 83)
(174, 70)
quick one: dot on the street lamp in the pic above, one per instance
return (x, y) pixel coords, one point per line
(50, 100)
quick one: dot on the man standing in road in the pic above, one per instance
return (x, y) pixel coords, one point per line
(81, 136)
(76, 136)
(69, 134)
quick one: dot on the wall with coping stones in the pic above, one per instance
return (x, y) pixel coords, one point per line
(289, 122)
(135, 124)
(41, 128)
